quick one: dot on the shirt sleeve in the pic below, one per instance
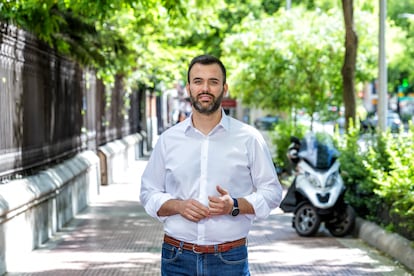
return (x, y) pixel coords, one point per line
(268, 194)
(153, 194)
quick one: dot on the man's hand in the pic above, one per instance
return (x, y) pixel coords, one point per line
(192, 210)
(221, 205)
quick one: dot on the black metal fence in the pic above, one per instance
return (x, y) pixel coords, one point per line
(51, 108)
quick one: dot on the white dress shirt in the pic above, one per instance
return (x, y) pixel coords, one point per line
(185, 164)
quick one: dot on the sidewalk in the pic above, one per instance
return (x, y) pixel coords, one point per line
(115, 236)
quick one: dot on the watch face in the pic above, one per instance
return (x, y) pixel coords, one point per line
(235, 212)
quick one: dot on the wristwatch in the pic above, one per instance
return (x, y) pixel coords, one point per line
(236, 209)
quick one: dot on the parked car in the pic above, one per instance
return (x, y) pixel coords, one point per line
(266, 123)
(393, 122)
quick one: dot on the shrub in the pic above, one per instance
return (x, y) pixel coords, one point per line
(360, 189)
(380, 177)
(281, 137)
(393, 172)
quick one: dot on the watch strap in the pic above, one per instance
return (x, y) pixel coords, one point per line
(235, 211)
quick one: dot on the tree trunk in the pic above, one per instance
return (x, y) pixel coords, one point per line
(348, 68)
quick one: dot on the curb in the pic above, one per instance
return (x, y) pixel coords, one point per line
(392, 244)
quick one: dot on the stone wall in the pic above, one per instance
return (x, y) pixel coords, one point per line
(33, 209)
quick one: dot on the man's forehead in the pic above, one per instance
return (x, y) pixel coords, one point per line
(206, 71)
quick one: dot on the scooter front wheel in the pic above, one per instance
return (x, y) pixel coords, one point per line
(306, 220)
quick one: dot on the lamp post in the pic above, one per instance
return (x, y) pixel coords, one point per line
(382, 72)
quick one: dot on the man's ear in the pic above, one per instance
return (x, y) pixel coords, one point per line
(187, 89)
(225, 89)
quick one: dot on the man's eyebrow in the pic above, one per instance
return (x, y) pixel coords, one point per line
(199, 78)
(217, 79)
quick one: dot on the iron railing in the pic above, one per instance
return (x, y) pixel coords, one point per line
(51, 108)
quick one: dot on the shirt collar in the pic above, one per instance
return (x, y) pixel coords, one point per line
(224, 122)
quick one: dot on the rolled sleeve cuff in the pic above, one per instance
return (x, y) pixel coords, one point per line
(155, 204)
(259, 204)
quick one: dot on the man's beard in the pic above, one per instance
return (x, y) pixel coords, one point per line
(211, 108)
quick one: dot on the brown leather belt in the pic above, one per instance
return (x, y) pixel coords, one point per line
(223, 247)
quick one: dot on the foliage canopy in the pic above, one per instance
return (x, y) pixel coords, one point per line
(150, 40)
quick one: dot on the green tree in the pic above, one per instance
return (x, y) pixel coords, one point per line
(348, 68)
(118, 37)
(287, 61)
(292, 60)
(402, 15)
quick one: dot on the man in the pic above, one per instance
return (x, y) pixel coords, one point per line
(207, 179)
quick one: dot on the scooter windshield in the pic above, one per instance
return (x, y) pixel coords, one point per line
(318, 150)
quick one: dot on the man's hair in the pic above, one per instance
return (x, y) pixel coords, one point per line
(207, 60)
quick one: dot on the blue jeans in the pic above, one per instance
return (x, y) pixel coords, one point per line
(176, 261)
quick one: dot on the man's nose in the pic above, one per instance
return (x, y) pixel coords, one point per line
(205, 87)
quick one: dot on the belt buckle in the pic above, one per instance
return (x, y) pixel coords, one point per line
(194, 249)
